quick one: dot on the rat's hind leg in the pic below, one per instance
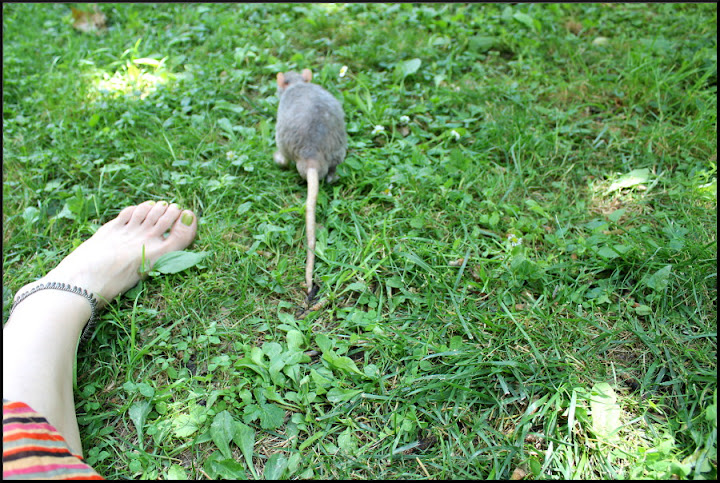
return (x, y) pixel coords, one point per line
(331, 177)
(280, 159)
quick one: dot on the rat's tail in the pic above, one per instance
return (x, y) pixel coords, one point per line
(313, 183)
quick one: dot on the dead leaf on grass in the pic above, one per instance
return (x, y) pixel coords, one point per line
(573, 26)
(426, 443)
(89, 21)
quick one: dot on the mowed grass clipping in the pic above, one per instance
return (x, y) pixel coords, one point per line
(517, 266)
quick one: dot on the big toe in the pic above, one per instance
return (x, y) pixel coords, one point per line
(182, 232)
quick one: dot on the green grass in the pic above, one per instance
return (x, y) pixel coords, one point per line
(439, 348)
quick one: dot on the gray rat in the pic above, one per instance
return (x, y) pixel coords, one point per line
(310, 131)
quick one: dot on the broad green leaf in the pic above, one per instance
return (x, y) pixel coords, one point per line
(244, 438)
(409, 67)
(525, 19)
(219, 467)
(356, 287)
(616, 215)
(607, 252)
(251, 413)
(275, 466)
(481, 44)
(659, 280)
(535, 466)
(287, 319)
(320, 381)
(271, 416)
(176, 472)
(256, 355)
(65, 213)
(295, 340)
(225, 125)
(347, 442)
(223, 104)
(338, 395)
(494, 218)
(222, 431)
(395, 281)
(293, 464)
(507, 13)
(633, 178)
(605, 412)
(184, 425)
(94, 119)
(272, 350)
(711, 411)
(129, 386)
(323, 342)
(342, 362)
(371, 371)
(175, 262)
(243, 208)
(276, 365)
(146, 389)
(643, 310)
(161, 407)
(536, 208)
(138, 413)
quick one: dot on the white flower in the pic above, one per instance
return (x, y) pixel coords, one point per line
(230, 155)
(455, 133)
(378, 129)
(514, 240)
(404, 119)
(343, 70)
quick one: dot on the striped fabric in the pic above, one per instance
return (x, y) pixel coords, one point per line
(33, 449)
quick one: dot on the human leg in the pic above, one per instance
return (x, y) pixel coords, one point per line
(40, 337)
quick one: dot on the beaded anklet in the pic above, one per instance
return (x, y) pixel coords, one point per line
(67, 288)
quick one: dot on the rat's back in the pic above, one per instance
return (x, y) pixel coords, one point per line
(311, 126)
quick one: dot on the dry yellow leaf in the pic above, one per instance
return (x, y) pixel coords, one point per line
(88, 22)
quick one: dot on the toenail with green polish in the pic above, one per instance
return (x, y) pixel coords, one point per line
(187, 219)
(163, 203)
(151, 202)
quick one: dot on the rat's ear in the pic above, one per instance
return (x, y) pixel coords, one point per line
(281, 80)
(306, 75)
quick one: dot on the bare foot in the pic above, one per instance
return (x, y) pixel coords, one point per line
(41, 335)
(108, 263)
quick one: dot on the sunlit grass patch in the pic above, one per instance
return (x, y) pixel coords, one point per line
(137, 78)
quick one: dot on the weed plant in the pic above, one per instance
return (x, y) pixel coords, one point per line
(517, 266)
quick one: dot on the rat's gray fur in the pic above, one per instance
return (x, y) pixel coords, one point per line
(310, 131)
(310, 126)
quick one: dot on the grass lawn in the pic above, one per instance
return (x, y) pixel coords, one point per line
(518, 265)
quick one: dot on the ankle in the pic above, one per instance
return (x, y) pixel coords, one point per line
(40, 302)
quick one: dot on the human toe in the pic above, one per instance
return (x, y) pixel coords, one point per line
(125, 214)
(156, 212)
(167, 219)
(141, 211)
(183, 231)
